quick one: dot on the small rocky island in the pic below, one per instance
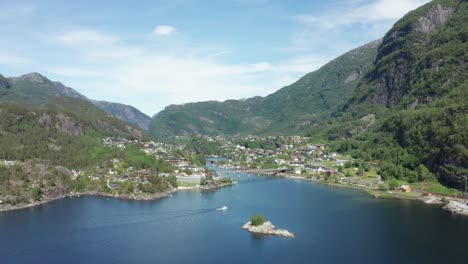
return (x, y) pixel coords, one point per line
(258, 225)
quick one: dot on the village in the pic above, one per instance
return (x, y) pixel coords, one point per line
(190, 172)
(298, 158)
(179, 168)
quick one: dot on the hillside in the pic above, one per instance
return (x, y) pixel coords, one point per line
(417, 92)
(56, 150)
(30, 132)
(34, 89)
(310, 100)
(126, 113)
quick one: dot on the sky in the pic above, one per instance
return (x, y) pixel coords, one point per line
(153, 53)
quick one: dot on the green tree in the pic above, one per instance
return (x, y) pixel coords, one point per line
(424, 174)
(393, 184)
(36, 194)
(257, 220)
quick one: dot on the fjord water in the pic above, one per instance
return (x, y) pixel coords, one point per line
(332, 225)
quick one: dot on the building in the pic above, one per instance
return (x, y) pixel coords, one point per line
(405, 188)
(9, 163)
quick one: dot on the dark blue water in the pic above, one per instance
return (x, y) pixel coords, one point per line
(332, 225)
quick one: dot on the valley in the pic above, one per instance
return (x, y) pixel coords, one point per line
(362, 160)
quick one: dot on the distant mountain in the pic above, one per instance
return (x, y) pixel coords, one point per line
(34, 89)
(4, 84)
(293, 108)
(125, 113)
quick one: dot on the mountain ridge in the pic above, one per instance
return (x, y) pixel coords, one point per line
(277, 112)
(36, 90)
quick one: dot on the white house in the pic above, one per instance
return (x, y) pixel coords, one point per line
(9, 162)
(298, 170)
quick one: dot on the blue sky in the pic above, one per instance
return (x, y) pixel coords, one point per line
(151, 54)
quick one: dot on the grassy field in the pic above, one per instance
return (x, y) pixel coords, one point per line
(435, 187)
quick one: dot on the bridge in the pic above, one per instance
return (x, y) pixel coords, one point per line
(255, 171)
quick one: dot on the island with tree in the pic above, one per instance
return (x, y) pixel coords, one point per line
(259, 225)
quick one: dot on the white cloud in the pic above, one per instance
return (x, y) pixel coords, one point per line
(152, 75)
(164, 30)
(96, 46)
(73, 72)
(359, 13)
(9, 59)
(337, 30)
(85, 38)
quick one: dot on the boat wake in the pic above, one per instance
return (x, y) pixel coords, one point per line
(224, 208)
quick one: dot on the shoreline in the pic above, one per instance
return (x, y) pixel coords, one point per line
(433, 200)
(134, 197)
(205, 188)
(453, 205)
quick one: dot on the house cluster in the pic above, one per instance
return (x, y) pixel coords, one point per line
(118, 142)
(171, 154)
(295, 152)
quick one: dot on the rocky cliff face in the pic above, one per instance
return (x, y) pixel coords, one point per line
(433, 19)
(401, 57)
(417, 89)
(62, 123)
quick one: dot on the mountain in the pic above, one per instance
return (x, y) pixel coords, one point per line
(51, 151)
(4, 83)
(293, 108)
(34, 89)
(416, 93)
(401, 101)
(126, 113)
(55, 142)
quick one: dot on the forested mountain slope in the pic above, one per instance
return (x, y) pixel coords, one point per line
(293, 108)
(417, 93)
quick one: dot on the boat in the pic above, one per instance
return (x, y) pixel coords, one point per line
(224, 208)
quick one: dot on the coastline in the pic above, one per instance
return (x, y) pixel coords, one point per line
(453, 206)
(134, 197)
(146, 197)
(377, 194)
(205, 188)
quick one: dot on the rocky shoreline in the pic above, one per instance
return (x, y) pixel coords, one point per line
(135, 197)
(457, 207)
(454, 205)
(206, 187)
(267, 228)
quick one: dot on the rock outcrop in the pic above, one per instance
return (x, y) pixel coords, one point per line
(435, 17)
(61, 122)
(267, 229)
(457, 207)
